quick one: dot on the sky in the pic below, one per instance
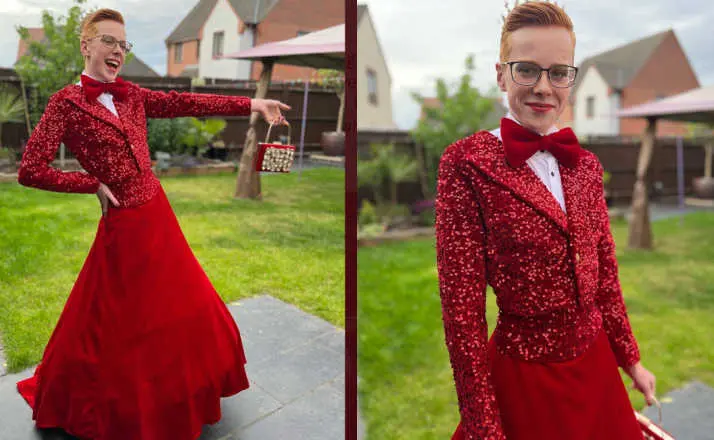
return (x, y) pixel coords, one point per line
(427, 39)
(148, 23)
(422, 39)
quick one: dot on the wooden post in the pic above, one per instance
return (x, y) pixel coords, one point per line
(708, 153)
(341, 112)
(248, 183)
(640, 234)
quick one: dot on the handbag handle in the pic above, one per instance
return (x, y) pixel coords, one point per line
(267, 136)
(659, 410)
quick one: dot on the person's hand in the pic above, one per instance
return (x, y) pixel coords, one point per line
(270, 110)
(643, 381)
(105, 197)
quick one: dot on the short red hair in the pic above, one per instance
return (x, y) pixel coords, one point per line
(533, 13)
(88, 28)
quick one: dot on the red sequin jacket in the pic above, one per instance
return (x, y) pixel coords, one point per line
(554, 274)
(112, 150)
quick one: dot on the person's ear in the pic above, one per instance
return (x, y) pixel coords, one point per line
(500, 76)
(84, 48)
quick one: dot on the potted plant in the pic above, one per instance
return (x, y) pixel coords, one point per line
(333, 142)
(704, 186)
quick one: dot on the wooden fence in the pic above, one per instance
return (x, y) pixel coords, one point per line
(618, 157)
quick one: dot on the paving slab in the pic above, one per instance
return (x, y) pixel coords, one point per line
(296, 367)
(687, 413)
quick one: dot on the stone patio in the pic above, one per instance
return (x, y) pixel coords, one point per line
(296, 364)
(687, 413)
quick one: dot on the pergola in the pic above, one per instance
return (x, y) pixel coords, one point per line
(695, 105)
(324, 49)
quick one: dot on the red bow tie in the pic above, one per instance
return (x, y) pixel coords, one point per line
(93, 88)
(521, 143)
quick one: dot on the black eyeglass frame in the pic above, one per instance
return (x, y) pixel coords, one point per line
(540, 73)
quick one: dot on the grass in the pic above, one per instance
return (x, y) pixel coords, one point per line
(406, 384)
(290, 245)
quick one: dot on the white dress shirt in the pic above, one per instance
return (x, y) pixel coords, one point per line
(106, 99)
(544, 164)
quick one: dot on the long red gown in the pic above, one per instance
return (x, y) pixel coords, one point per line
(144, 348)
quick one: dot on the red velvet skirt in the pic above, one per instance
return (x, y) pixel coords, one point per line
(144, 348)
(581, 399)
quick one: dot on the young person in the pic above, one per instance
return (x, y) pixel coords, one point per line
(522, 210)
(144, 348)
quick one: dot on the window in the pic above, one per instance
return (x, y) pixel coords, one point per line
(218, 44)
(590, 110)
(372, 86)
(178, 52)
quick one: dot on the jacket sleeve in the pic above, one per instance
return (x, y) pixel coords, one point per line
(609, 297)
(173, 104)
(35, 168)
(462, 281)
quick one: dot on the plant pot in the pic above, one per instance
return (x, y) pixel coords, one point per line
(703, 187)
(333, 143)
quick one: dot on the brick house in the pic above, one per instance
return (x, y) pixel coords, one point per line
(214, 28)
(135, 67)
(650, 68)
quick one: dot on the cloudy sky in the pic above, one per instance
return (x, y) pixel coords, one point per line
(427, 39)
(148, 23)
(422, 39)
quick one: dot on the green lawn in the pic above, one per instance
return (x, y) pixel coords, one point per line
(406, 386)
(291, 246)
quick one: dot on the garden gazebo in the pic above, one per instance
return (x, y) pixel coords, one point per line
(695, 105)
(324, 49)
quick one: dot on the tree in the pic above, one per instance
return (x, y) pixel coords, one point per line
(167, 134)
(51, 64)
(459, 114)
(12, 108)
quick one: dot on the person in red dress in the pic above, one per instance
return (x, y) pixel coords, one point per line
(522, 209)
(144, 348)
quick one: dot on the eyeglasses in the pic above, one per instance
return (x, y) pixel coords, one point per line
(112, 42)
(528, 74)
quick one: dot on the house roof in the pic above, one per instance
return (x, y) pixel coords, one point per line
(135, 67)
(619, 66)
(190, 26)
(360, 12)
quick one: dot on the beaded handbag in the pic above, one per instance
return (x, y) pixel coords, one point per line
(650, 430)
(274, 157)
